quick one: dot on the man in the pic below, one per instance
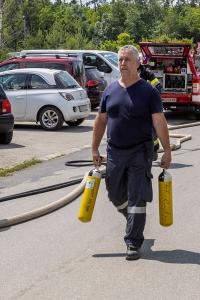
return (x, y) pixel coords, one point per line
(149, 76)
(153, 80)
(129, 108)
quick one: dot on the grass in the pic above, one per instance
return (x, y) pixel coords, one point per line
(26, 164)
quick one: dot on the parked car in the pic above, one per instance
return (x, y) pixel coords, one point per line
(105, 61)
(6, 119)
(72, 65)
(50, 97)
(95, 85)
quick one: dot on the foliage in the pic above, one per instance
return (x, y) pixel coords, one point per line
(33, 24)
(122, 40)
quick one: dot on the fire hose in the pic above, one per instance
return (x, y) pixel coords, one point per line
(6, 222)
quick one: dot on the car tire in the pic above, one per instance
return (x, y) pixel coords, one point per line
(6, 138)
(50, 118)
(197, 115)
(75, 122)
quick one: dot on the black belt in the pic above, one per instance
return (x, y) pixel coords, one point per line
(127, 147)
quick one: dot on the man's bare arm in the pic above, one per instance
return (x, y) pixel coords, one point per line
(98, 132)
(160, 125)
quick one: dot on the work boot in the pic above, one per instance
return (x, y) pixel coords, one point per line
(132, 253)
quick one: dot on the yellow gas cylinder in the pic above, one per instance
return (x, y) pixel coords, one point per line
(165, 198)
(89, 196)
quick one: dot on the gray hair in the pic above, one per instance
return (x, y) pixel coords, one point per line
(132, 49)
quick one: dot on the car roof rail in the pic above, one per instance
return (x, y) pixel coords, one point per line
(63, 55)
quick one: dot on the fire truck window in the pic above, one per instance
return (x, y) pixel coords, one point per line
(197, 64)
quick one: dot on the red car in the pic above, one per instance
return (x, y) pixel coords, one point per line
(72, 65)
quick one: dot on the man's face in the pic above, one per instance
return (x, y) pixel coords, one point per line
(127, 63)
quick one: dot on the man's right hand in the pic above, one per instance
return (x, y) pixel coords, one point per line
(166, 160)
(96, 158)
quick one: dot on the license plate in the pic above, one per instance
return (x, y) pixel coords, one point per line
(83, 108)
(169, 99)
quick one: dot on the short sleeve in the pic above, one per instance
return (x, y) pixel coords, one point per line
(102, 105)
(155, 102)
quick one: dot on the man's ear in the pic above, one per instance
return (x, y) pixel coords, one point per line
(139, 65)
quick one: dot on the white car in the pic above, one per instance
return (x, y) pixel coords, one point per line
(50, 97)
(105, 61)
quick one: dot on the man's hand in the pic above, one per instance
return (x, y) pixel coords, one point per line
(166, 160)
(160, 125)
(98, 132)
(97, 159)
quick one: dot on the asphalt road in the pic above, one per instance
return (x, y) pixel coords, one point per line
(57, 257)
(31, 141)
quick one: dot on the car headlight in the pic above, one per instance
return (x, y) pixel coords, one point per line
(67, 96)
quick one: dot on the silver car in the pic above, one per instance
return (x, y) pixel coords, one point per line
(50, 97)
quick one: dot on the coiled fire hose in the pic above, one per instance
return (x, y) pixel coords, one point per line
(181, 137)
(6, 222)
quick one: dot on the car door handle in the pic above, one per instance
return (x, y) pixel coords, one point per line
(19, 97)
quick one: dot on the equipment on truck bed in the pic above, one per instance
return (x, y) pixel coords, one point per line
(173, 64)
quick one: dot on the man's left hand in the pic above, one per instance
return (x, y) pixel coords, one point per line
(166, 160)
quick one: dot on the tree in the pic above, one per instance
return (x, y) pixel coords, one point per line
(183, 25)
(112, 22)
(43, 23)
(144, 19)
(122, 40)
(190, 23)
(13, 24)
(78, 41)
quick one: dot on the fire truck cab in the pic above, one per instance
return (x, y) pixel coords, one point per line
(173, 64)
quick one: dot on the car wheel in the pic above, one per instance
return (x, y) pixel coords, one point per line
(75, 122)
(51, 118)
(6, 138)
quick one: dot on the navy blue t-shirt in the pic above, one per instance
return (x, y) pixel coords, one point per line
(129, 112)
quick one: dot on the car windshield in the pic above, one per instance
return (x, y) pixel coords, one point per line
(111, 57)
(65, 81)
(13, 81)
(7, 67)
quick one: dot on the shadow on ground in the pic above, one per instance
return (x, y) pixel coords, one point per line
(11, 146)
(180, 117)
(177, 256)
(173, 165)
(64, 129)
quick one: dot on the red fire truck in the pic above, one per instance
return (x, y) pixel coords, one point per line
(173, 64)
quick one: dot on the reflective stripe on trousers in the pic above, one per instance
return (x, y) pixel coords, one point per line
(132, 209)
(136, 210)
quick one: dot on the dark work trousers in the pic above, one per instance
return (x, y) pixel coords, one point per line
(128, 182)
